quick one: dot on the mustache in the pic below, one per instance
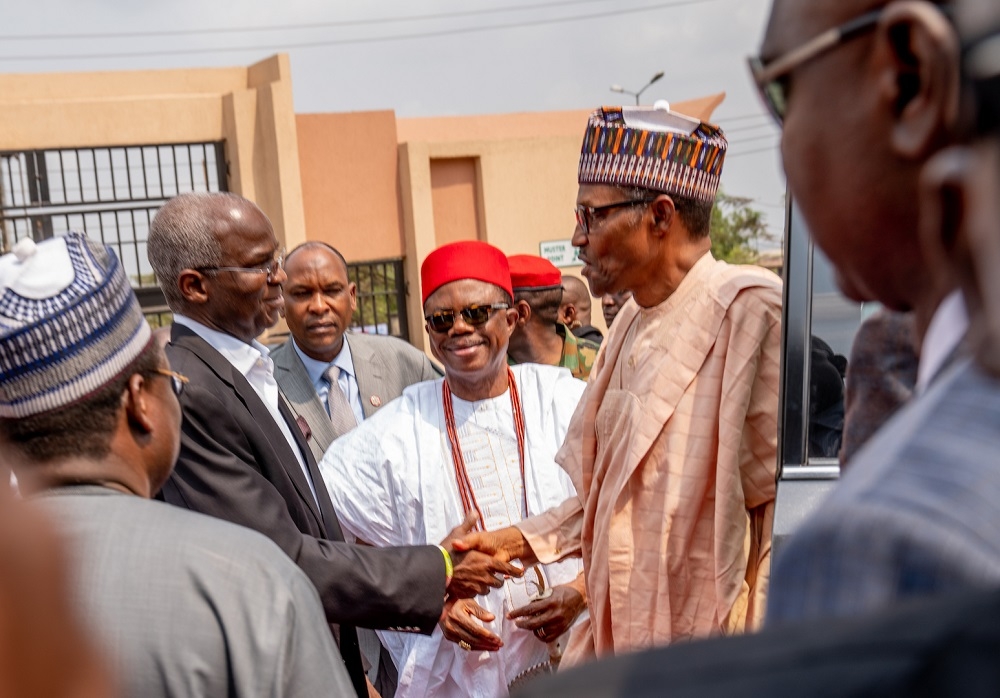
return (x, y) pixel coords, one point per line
(463, 344)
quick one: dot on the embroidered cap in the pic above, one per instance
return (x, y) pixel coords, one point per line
(69, 323)
(529, 272)
(467, 259)
(653, 148)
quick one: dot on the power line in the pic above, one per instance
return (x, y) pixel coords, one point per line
(740, 129)
(290, 27)
(365, 40)
(730, 156)
(751, 140)
(741, 117)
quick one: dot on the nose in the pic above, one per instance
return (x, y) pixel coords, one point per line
(461, 326)
(316, 304)
(277, 277)
(579, 238)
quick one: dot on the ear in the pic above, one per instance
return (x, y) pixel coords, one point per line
(137, 403)
(523, 310)
(192, 286)
(918, 60)
(352, 288)
(567, 314)
(664, 213)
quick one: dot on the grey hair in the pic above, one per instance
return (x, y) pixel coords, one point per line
(182, 236)
(696, 215)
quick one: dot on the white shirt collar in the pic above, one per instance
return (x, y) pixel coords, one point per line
(241, 355)
(344, 361)
(945, 331)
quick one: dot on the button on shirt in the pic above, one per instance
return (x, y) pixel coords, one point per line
(347, 383)
(253, 362)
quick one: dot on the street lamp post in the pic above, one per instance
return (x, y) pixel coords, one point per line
(619, 88)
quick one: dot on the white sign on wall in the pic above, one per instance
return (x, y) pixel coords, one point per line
(560, 252)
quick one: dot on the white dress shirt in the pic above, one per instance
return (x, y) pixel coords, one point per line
(253, 362)
(348, 381)
(946, 330)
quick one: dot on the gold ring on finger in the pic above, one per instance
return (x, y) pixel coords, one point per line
(465, 645)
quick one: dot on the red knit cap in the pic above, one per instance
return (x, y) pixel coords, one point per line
(468, 259)
(529, 272)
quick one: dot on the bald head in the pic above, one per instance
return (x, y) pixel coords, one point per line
(310, 250)
(575, 308)
(187, 233)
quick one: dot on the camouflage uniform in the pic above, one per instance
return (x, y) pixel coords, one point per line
(578, 354)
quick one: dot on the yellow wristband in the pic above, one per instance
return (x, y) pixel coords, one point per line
(449, 569)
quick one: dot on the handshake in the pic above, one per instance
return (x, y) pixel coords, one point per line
(482, 561)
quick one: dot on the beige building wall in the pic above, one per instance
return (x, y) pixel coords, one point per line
(250, 108)
(350, 183)
(372, 185)
(525, 184)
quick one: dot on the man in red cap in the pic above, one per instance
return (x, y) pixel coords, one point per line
(539, 337)
(479, 444)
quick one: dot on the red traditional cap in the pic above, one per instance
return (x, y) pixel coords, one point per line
(468, 259)
(532, 273)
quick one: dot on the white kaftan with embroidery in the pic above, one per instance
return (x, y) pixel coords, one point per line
(392, 482)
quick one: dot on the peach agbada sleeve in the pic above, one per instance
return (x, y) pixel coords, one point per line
(558, 532)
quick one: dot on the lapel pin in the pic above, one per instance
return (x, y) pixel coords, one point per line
(375, 400)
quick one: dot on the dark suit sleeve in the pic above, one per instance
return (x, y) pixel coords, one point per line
(223, 471)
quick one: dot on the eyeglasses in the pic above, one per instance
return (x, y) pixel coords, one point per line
(177, 380)
(270, 268)
(769, 78)
(474, 315)
(585, 214)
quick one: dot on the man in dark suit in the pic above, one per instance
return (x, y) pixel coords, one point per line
(320, 300)
(367, 370)
(244, 459)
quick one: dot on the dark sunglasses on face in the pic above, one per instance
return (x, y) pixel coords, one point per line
(771, 77)
(474, 315)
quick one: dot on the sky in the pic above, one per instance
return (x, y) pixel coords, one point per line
(437, 57)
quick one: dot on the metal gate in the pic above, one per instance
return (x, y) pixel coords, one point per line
(381, 298)
(109, 193)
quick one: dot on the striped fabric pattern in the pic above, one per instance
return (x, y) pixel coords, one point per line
(683, 165)
(55, 351)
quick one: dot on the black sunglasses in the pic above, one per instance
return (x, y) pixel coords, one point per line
(474, 315)
(770, 77)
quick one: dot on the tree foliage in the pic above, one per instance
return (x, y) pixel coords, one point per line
(737, 229)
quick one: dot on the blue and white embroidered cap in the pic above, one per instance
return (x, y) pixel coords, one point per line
(69, 323)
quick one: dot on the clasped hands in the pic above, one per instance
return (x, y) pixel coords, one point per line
(481, 561)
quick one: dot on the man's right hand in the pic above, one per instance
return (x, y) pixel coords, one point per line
(475, 572)
(504, 543)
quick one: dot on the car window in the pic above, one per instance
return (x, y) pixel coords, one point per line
(820, 325)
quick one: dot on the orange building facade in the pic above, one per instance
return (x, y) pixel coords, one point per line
(377, 187)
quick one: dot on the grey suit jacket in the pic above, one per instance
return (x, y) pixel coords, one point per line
(188, 605)
(385, 366)
(918, 513)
